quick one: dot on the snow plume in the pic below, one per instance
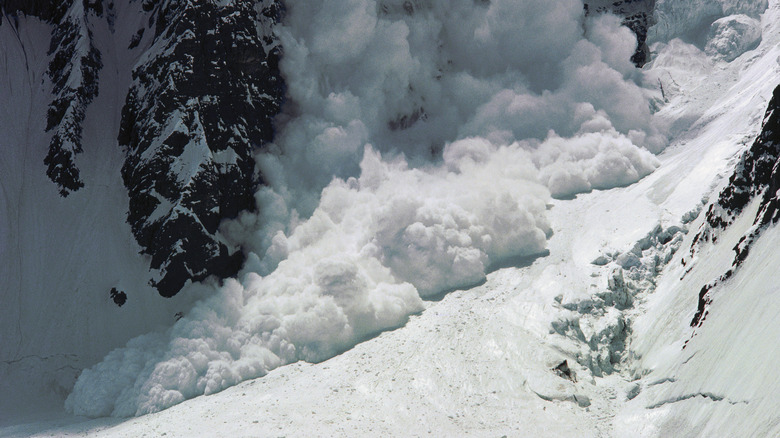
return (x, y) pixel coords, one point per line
(420, 145)
(691, 19)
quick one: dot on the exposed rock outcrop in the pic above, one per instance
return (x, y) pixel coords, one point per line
(637, 16)
(757, 175)
(202, 102)
(74, 73)
(204, 91)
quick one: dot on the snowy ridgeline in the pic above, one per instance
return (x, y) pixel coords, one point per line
(420, 152)
(702, 355)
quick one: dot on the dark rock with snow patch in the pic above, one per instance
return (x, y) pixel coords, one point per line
(563, 370)
(756, 175)
(73, 72)
(203, 95)
(637, 16)
(202, 103)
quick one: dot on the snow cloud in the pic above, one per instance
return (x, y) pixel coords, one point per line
(732, 36)
(420, 145)
(691, 19)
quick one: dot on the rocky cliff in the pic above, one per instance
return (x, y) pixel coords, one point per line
(204, 90)
(202, 101)
(637, 16)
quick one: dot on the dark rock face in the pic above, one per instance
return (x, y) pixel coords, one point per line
(73, 71)
(563, 370)
(46, 10)
(757, 175)
(202, 100)
(637, 16)
(117, 296)
(201, 103)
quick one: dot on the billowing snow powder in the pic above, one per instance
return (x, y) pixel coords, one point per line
(423, 143)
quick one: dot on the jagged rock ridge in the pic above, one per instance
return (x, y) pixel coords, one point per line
(202, 101)
(203, 95)
(74, 73)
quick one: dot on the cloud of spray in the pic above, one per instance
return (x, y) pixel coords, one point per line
(691, 19)
(422, 142)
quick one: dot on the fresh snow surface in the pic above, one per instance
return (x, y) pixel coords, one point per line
(480, 361)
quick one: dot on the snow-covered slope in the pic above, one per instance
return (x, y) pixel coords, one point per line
(389, 230)
(60, 256)
(713, 375)
(591, 337)
(73, 285)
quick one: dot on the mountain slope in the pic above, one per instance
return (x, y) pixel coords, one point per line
(77, 251)
(482, 361)
(592, 338)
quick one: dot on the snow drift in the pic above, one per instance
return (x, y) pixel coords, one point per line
(420, 145)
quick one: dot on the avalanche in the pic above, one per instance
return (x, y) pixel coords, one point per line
(502, 214)
(398, 225)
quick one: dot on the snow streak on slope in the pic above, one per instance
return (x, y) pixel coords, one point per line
(447, 126)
